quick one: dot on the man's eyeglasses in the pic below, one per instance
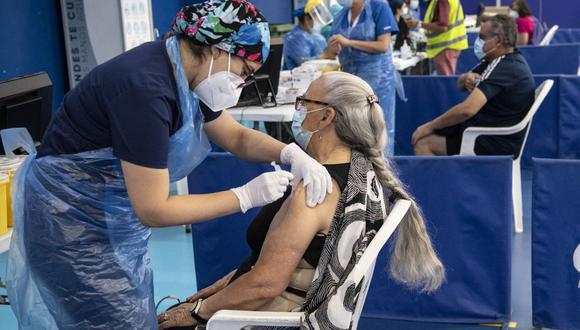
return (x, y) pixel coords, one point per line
(485, 38)
(301, 103)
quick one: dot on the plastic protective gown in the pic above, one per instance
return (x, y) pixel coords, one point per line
(376, 69)
(79, 256)
(300, 46)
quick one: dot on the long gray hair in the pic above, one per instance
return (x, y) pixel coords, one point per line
(361, 126)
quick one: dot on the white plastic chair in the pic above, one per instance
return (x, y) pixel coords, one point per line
(363, 271)
(472, 133)
(549, 36)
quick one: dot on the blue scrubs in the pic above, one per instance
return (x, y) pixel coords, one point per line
(300, 46)
(377, 69)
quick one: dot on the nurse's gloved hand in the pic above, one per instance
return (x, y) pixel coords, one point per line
(263, 189)
(316, 178)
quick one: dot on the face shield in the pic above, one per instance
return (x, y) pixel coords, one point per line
(319, 12)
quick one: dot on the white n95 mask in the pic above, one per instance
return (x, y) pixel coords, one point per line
(220, 90)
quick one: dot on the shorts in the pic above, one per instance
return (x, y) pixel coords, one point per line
(453, 135)
(484, 145)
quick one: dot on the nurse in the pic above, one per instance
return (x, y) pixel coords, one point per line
(304, 42)
(362, 32)
(85, 203)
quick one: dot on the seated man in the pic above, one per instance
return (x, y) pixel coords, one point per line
(501, 93)
(340, 123)
(304, 42)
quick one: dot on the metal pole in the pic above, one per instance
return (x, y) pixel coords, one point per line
(498, 3)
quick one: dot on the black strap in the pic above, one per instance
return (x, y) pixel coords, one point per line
(296, 292)
(199, 319)
(195, 310)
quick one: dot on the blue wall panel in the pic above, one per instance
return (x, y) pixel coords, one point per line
(556, 244)
(163, 13)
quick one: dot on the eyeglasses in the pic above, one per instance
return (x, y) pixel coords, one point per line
(485, 38)
(248, 81)
(301, 103)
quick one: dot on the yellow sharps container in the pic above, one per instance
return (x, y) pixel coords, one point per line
(9, 166)
(4, 182)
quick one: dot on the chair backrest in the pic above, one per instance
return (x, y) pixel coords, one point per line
(541, 93)
(549, 36)
(364, 269)
(539, 31)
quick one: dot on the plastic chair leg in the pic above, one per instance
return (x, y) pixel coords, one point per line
(517, 198)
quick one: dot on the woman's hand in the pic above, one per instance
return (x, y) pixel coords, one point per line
(263, 190)
(339, 39)
(412, 23)
(212, 289)
(316, 178)
(334, 48)
(471, 79)
(179, 316)
(422, 131)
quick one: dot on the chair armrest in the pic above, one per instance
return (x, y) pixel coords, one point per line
(235, 320)
(472, 133)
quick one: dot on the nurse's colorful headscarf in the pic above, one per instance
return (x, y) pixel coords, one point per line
(234, 26)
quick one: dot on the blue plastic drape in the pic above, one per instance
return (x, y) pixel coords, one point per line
(556, 244)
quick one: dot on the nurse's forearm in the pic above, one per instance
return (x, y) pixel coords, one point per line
(148, 190)
(243, 142)
(188, 209)
(256, 146)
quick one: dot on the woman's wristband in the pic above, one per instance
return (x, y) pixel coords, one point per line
(195, 312)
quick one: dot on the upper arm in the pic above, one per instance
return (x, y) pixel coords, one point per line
(474, 102)
(523, 38)
(385, 22)
(444, 9)
(290, 234)
(148, 189)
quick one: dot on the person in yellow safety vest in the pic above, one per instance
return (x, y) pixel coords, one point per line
(446, 34)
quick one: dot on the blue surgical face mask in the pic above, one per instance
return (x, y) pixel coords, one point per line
(478, 48)
(301, 135)
(345, 3)
(414, 4)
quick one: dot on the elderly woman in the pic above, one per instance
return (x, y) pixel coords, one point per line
(340, 124)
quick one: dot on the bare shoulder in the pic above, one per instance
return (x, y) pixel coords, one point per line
(324, 212)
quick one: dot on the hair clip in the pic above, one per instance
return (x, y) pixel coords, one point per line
(373, 99)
